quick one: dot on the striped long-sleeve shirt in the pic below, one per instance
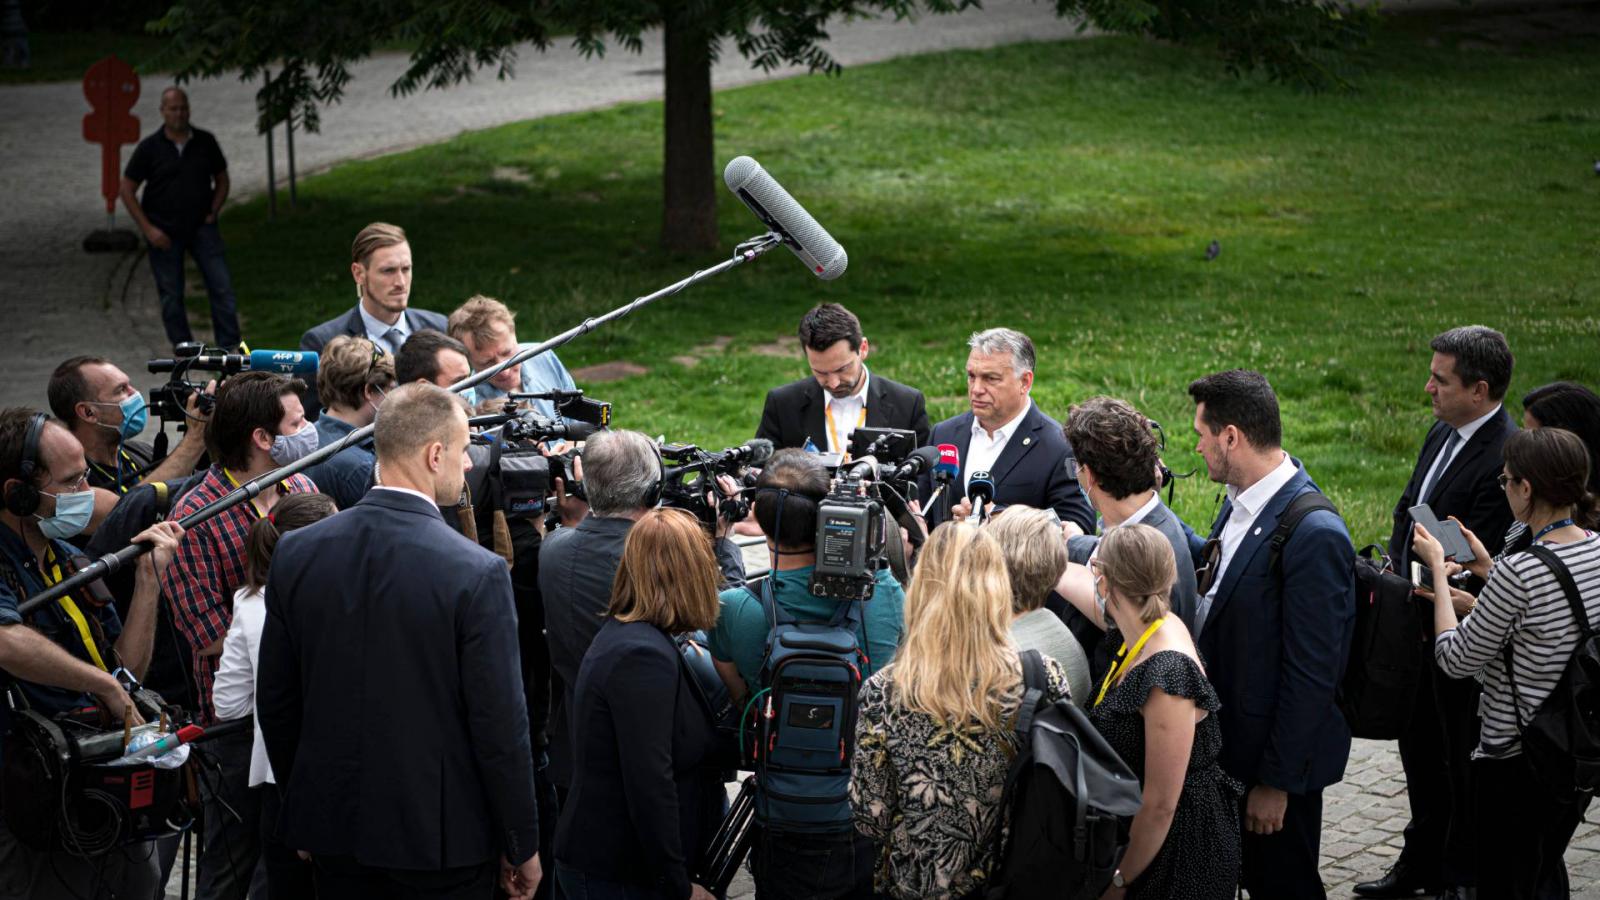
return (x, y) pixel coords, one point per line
(1524, 604)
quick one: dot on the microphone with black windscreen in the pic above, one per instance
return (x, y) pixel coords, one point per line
(980, 490)
(785, 217)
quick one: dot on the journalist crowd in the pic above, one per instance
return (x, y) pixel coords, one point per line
(492, 648)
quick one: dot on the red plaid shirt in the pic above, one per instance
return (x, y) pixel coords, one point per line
(208, 569)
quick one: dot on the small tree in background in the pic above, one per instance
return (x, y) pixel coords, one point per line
(308, 47)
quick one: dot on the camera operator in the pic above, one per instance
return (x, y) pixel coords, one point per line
(258, 425)
(353, 374)
(488, 329)
(70, 654)
(788, 493)
(100, 406)
(622, 476)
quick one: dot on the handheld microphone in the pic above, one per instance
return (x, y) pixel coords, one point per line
(921, 460)
(944, 472)
(980, 490)
(297, 363)
(285, 362)
(781, 214)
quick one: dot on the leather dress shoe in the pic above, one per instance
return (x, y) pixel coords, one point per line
(1400, 881)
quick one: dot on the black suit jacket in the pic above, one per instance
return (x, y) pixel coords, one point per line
(645, 797)
(1032, 469)
(1468, 488)
(798, 410)
(350, 323)
(390, 692)
(1275, 645)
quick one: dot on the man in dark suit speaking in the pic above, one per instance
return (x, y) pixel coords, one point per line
(390, 691)
(380, 263)
(1005, 434)
(841, 395)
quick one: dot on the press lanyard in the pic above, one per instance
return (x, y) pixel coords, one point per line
(116, 479)
(1124, 657)
(52, 576)
(254, 512)
(1551, 527)
(833, 430)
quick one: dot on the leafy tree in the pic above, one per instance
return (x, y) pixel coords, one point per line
(308, 46)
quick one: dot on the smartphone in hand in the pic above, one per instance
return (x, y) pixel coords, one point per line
(1446, 532)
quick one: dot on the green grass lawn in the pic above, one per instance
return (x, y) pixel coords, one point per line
(66, 56)
(1068, 190)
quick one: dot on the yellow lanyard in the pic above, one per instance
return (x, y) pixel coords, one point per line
(1124, 658)
(52, 576)
(254, 510)
(113, 476)
(833, 430)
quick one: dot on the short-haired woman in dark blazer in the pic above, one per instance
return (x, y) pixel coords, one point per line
(646, 796)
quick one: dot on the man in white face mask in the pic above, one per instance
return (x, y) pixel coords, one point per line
(72, 653)
(257, 425)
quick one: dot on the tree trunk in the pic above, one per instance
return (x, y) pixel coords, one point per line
(689, 220)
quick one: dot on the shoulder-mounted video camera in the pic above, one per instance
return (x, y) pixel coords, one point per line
(689, 475)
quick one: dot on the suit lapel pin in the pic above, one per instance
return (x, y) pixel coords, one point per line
(1258, 529)
(1027, 441)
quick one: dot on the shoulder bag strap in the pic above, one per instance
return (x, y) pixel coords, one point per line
(1303, 504)
(1574, 600)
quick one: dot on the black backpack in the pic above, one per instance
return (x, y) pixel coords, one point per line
(1562, 739)
(1390, 648)
(1066, 801)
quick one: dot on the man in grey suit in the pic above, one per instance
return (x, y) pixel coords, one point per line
(1118, 466)
(380, 263)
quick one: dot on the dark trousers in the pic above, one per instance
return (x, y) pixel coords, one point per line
(1283, 865)
(812, 866)
(1523, 828)
(288, 876)
(544, 791)
(577, 885)
(343, 878)
(1436, 752)
(231, 847)
(205, 246)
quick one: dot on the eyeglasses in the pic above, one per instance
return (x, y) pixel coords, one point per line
(1505, 479)
(1211, 559)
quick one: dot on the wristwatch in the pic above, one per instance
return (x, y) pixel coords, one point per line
(1117, 880)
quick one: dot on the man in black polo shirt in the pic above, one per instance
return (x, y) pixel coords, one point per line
(185, 182)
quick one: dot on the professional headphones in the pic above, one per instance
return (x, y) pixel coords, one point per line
(653, 499)
(23, 498)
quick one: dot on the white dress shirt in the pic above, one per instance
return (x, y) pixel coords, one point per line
(378, 330)
(984, 450)
(234, 691)
(1141, 512)
(846, 413)
(1247, 506)
(1442, 461)
(405, 490)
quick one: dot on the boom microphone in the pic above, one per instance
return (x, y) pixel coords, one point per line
(753, 452)
(980, 490)
(779, 211)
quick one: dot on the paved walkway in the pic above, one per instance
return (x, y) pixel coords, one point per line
(56, 300)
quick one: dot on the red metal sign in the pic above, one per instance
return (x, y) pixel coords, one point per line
(112, 88)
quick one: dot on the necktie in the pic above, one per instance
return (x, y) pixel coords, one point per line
(1444, 463)
(394, 338)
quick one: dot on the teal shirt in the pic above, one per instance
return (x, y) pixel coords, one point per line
(741, 633)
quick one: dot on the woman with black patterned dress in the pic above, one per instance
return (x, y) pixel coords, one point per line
(1156, 708)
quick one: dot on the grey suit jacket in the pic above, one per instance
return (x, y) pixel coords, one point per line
(1166, 521)
(350, 323)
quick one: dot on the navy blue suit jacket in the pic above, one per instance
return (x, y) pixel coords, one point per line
(351, 323)
(390, 692)
(1032, 469)
(1275, 646)
(1468, 488)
